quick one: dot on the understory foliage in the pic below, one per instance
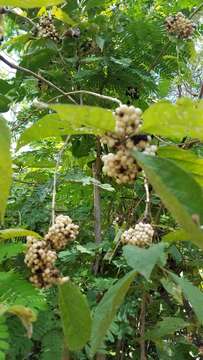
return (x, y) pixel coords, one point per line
(101, 176)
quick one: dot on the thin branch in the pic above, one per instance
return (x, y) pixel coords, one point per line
(201, 92)
(39, 77)
(196, 11)
(59, 157)
(147, 201)
(105, 97)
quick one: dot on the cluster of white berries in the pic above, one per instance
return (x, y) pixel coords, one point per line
(180, 26)
(46, 29)
(120, 164)
(41, 254)
(150, 150)
(141, 235)
(62, 232)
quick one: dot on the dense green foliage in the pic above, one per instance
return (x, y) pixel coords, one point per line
(57, 96)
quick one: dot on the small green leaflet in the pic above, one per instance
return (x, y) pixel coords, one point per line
(166, 327)
(178, 190)
(5, 166)
(185, 118)
(107, 309)
(30, 3)
(15, 233)
(144, 260)
(192, 294)
(75, 316)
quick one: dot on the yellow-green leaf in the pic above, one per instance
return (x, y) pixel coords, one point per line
(62, 15)
(185, 118)
(5, 166)
(29, 3)
(15, 233)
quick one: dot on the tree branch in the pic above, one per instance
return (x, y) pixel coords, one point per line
(201, 92)
(39, 77)
(105, 97)
(196, 11)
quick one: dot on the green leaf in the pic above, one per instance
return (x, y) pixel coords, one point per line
(174, 186)
(92, 117)
(4, 336)
(165, 327)
(5, 166)
(75, 316)
(4, 87)
(192, 294)
(185, 118)
(106, 310)
(30, 3)
(4, 103)
(177, 235)
(173, 289)
(62, 16)
(75, 120)
(8, 251)
(144, 260)
(15, 233)
(185, 159)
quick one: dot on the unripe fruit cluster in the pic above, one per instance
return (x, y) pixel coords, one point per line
(120, 164)
(180, 26)
(46, 29)
(150, 150)
(41, 254)
(141, 235)
(62, 232)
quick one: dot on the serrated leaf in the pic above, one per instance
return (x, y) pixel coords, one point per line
(186, 159)
(166, 327)
(15, 233)
(107, 309)
(144, 260)
(192, 294)
(75, 316)
(30, 3)
(174, 186)
(185, 118)
(5, 166)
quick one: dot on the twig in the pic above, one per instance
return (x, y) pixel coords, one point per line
(60, 154)
(147, 201)
(105, 97)
(196, 11)
(142, 329)
(201, 92)
(39, 77)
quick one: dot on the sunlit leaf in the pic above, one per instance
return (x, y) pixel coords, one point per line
(15, 233)
(29, 3)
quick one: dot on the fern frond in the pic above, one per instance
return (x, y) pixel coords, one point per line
(4, 335)
(10, 250)
(52, 346)
(15, 290)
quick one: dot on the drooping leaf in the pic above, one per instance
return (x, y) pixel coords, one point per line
(29, 3)
(26, 315)
(75, 316)
(166, 327)
(185, 159)
(144, 260)
(107, 308)
(8, 251)
(180, 193)
(5, 166)
(192, 294)
(185, 118)
(15, 233)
